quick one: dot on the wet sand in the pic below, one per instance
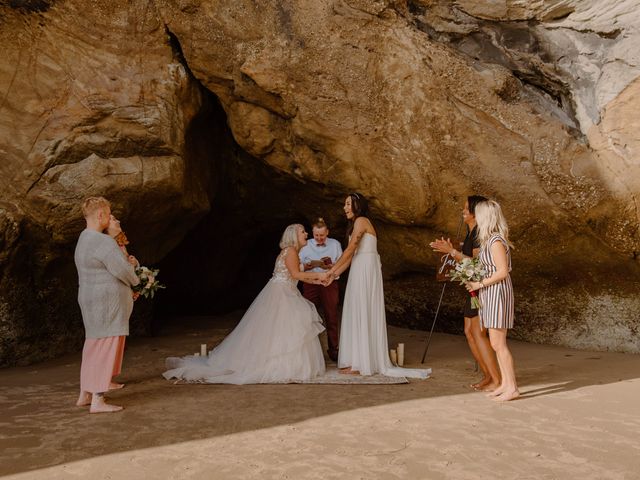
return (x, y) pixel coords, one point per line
(578, 417)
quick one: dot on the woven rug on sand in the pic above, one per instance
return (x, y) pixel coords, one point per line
(332, 376)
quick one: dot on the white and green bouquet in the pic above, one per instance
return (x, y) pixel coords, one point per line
(469, 270)
(148, 285)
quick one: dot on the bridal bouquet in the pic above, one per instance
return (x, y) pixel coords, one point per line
(469, 270)
(148, 285)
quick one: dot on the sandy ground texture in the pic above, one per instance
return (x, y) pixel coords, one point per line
(579, 417)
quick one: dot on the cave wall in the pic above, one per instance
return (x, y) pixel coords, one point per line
(416, 104)
(94, 101)
(387, 98)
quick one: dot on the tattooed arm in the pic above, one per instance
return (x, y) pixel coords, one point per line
(361, 226)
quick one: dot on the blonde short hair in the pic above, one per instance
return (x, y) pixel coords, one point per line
(92, 204)
(491, 221)
(290, 236)
(320, 223)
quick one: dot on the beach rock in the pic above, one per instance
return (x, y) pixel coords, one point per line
(417, 104)
(246, 114)
(95, 101)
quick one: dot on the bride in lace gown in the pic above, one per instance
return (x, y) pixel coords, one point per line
(277, 339)
(363, 337)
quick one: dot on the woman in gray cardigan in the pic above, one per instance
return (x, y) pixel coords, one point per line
(105, 277)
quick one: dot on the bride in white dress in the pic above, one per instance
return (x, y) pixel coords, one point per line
(363, 336)
(277, 339)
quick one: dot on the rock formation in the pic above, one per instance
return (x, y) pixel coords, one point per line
(413, 103)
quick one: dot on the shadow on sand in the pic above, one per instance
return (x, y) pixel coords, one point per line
(40, 426)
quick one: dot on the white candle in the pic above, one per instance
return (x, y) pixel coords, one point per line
(203, 349)
(393, 357)
(197, 354)
(401, 354)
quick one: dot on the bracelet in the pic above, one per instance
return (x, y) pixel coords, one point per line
(482, 285)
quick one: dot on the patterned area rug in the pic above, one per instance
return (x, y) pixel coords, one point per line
(332, 376)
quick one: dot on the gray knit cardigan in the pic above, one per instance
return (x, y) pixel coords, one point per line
(105, 280)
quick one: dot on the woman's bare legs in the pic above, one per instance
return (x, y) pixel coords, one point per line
(483, 353)
(508, 389)
(471, 340)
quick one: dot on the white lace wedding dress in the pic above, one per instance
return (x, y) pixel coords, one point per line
(275, 342)
(363, 335)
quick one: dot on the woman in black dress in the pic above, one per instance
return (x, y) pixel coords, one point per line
(476, 336)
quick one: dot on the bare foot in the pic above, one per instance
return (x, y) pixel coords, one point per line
(490, 387)
(348, 371)
(105, 408)
(98, 405)
(496, 392)
(481, 384)
(115, 386)
(508, 395)
(84, 399)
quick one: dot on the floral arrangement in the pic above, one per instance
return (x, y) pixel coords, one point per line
(148, 285)
(469, 270)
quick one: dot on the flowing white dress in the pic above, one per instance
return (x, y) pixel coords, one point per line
(275, 342)
(363, 335)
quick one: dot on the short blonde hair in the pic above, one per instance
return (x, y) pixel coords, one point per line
(491, 221)
(320, 223)
(92, 204)
(290, 236)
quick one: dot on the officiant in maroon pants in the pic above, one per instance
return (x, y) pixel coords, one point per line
(319, 255)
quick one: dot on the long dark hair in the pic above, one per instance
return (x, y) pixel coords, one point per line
(359, 208)
(474, 200)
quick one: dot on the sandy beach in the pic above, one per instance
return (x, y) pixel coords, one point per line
(578, 417)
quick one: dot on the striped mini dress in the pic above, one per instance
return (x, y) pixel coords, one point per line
(496, 300)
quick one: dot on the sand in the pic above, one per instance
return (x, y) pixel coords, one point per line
(579, 417)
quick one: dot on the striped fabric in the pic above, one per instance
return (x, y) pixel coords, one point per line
(496, 300)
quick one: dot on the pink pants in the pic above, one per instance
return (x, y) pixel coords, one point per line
(101, 361)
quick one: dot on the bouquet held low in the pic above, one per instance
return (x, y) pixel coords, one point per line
(469, 270)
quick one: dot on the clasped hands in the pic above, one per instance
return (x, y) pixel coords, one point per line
(327, 278)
